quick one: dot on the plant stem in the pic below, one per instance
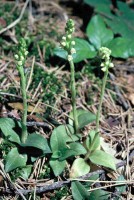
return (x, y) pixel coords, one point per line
(24, 96)
(73, 92)
(101, 100)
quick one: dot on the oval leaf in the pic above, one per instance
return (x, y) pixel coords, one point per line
(74, 149)
(57, 166)
(60, 136)
(37, 141)
(84, 117)
(79, 192)
(121, 47)
(14, 160)
(84, 50)
(7, 125)
(79, 168)
(97, 32)
(101, 158)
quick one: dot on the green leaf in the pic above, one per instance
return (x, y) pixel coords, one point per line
(93, 140)
(121, 188)
(60, 136)
(58, 51)
(97, 32)
(26, 171)
(37, 141)
(101, 158)
(121, 47)
(79, 192)
(57, 166)
(14, 160)
(102, 7)
(123, 24)
(84, 117)
(7, 125)
(74, 149)
(83, 51)
(99, 194)
(79, 168)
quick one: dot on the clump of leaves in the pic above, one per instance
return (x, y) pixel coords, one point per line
(102, 31)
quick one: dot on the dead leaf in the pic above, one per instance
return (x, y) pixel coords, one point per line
(1, 181)
(31, 107)
(2, 22)
(131, 98)
(107, 147)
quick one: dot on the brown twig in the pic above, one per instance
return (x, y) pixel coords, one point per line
(60, 184)
(17, 20)
(117, 90)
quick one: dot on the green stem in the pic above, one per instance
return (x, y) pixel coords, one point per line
(24, 96)
(101, 100)
(73, 92)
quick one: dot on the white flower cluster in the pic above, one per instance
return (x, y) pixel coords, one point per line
(22, 53)
(104, 54)
(67, 43)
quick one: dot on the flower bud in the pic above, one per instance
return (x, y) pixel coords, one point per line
(104, 69)
(70, 57)
(63, 44)
(26, 52)
(20, 62)
(111, 65)
(16, 56)
(22, 58)
(64, 38)
(73, 43)
(73, 50)
(69, 36)
(107, 63)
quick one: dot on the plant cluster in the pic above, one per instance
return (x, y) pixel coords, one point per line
(66, 142)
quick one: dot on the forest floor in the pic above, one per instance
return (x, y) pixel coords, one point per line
(43, 23)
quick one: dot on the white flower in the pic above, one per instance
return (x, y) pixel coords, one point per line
(21, 58)
(63, 44)
(16, 56)
(73, 50)
(69, 36)
(104, 69)
(111, 65)
(107, 63)
(73, 43)
(104, 52)
(70, 57)
(26, 52)
(102, 65)
(20, 62)
(64, 38)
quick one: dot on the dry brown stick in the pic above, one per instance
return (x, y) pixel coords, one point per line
(17, 20)
(60, 184)
(121, 98)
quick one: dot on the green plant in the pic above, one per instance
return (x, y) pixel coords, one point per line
(21, 58)
(70, 146)
(68, 45)
(24, 146)
(66, 141)
(104, 54)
